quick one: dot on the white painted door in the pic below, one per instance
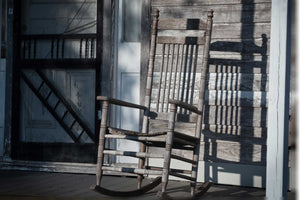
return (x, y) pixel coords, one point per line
(127, 71)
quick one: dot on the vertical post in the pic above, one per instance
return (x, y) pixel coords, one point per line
(145, 48)
(2, 101)
(148, 87)
(104, 63)
(168, 148)
(204, 69)
(278, 105)
(9, 85)
(155, 15)
(98, 49)
(1, 14)
(101, 142)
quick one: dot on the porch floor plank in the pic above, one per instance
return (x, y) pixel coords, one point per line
(23, 185)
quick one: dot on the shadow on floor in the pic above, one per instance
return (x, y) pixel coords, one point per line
(21, 185)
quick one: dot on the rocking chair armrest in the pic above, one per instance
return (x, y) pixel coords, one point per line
(120, 102)
(186, 106)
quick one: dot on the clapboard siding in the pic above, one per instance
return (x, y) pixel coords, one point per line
(236, 98)
(233, 152)
(235, 125)
(238, 81)
(237, 116)
(253, 46)
(239, 30)
(157, 3)
(228, 81)
(224, 13)
(227, 152)
(223, 98)
(256, 135)
(222, 65)
(227, 115)
(228, 64)
(231, 45)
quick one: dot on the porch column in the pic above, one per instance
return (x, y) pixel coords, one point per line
(278, 105)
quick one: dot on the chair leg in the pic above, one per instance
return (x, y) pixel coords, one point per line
(167, 161)
(101, 144)
(195, 169)
(143, 146)
(141, 166)
(140, 180)
(168, 148)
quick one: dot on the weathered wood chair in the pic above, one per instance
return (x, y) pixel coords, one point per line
(175, 84)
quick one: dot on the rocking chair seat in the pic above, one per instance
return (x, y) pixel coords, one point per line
(118, 131)
(181, 140)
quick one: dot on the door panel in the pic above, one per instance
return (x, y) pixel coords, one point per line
(127, 73)
(129, 118)
(81, 89)
(38, 125)
(58, 65)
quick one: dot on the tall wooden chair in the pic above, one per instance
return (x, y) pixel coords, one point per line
(174, 97)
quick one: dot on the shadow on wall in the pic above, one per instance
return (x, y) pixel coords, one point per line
(239, 109)
(234, 137)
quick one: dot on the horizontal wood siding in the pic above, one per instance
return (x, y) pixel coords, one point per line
(235, 122)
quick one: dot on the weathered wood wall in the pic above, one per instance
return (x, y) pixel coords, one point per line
(235, 117)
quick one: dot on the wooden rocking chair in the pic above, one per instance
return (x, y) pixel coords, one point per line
(175, 84)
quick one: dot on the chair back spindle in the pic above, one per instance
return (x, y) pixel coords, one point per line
(179, 48)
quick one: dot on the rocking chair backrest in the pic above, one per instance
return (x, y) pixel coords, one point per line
(179, 48)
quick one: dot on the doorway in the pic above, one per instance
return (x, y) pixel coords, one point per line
(127, 71)
(57, 76)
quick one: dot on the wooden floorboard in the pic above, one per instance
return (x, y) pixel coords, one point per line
(49, 186)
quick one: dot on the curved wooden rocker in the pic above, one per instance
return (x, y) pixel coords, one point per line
(174, 80)
(198, 193)
(137, 192)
